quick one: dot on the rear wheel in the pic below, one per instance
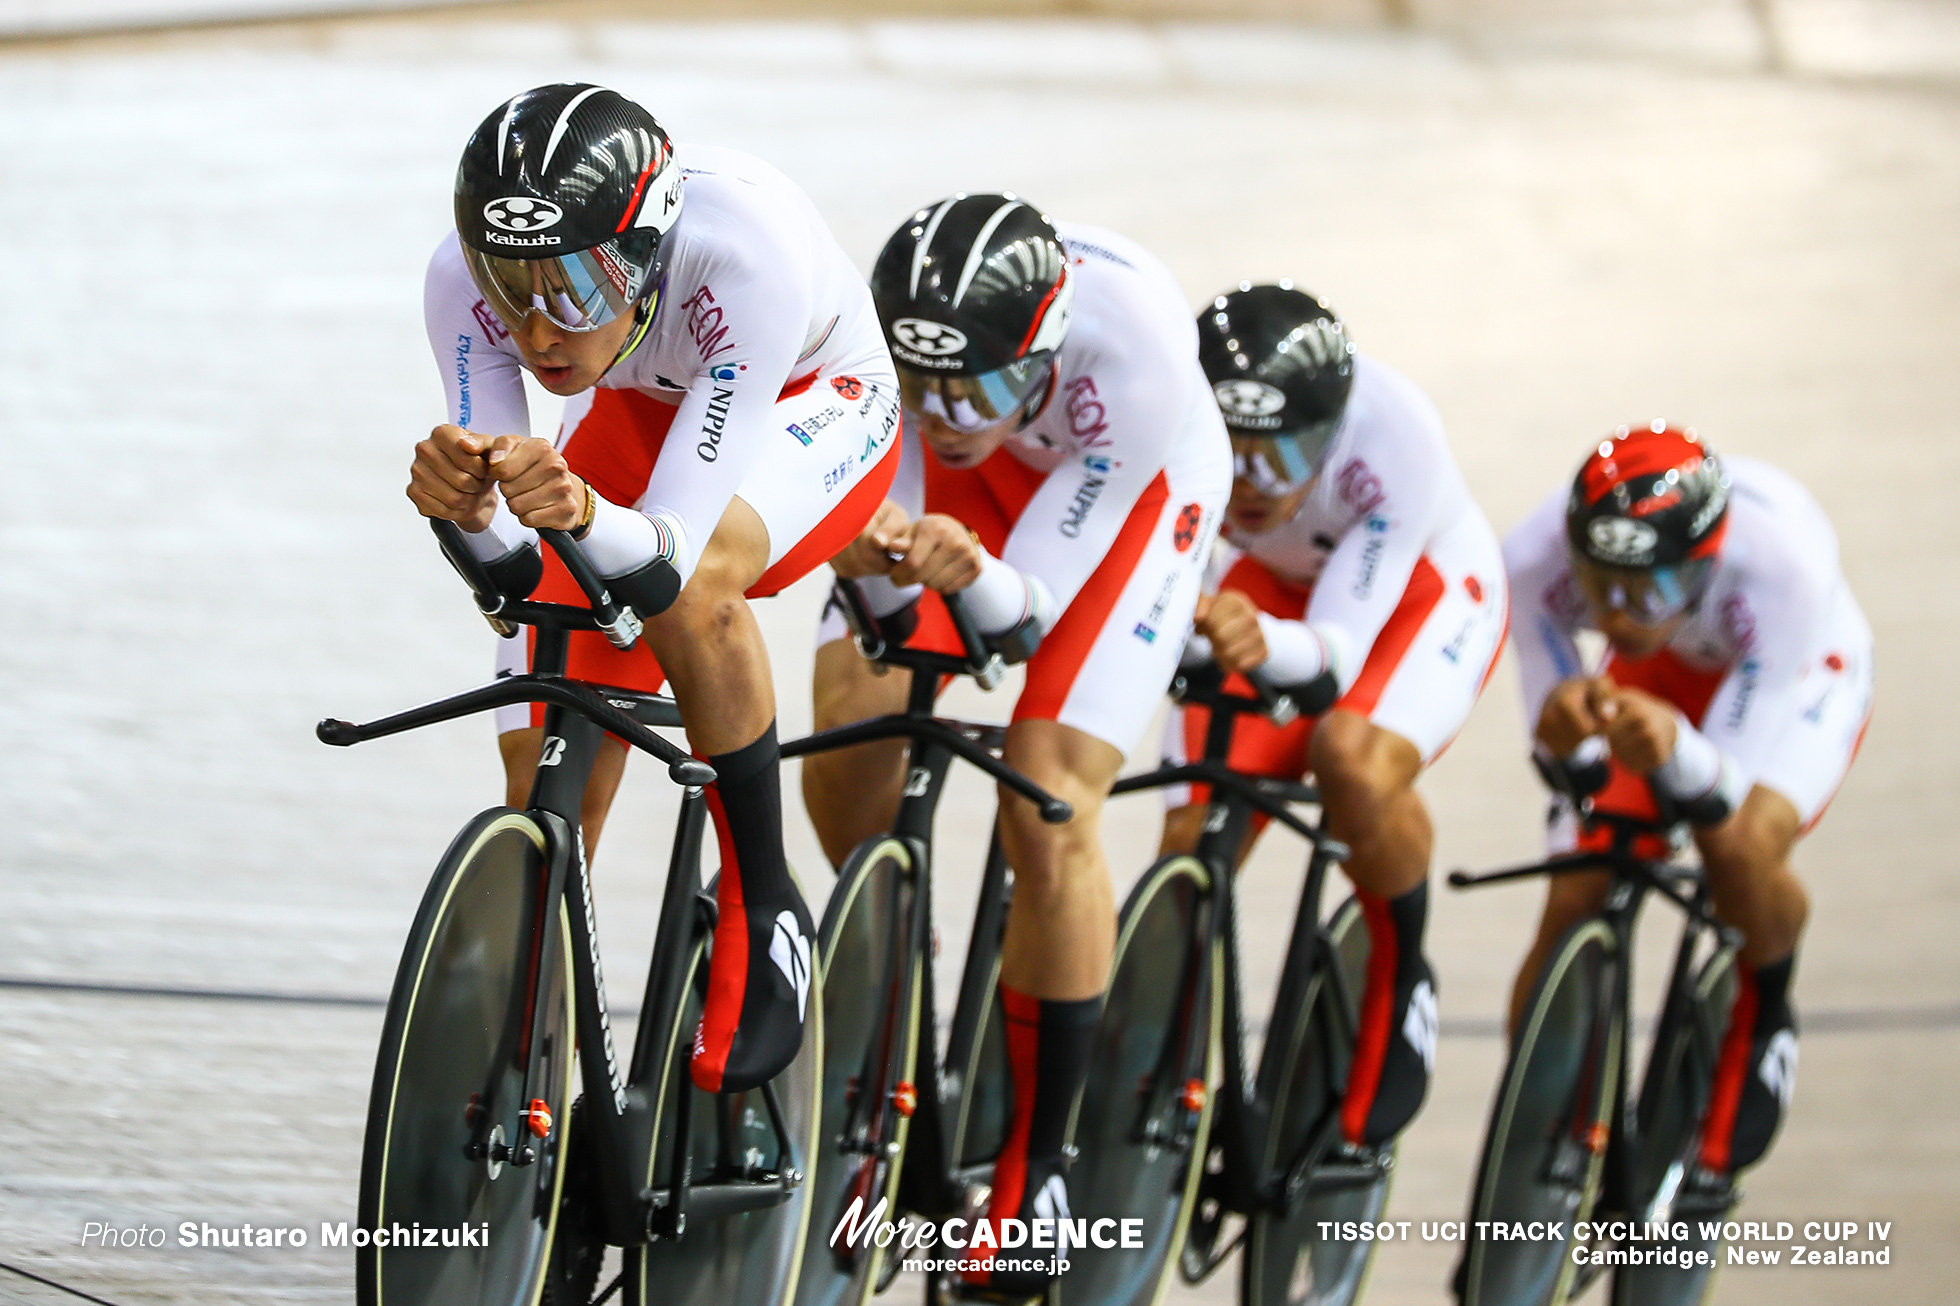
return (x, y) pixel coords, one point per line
(1550, 1125)
(1670, 1182)
(1286, 1262)
(871, 996)
(1156, 1057)
(753, 1256)
(443, 1120)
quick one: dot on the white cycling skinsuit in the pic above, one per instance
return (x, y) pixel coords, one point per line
(1105, 505)
(1388, 573)
(765, 363)
(1773, 667)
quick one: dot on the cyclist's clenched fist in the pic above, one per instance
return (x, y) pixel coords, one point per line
(1571, 714)
(938, 552)
(536, 482)
(870, 554)
(1639, 727)
(1230, 621)
(450, 479)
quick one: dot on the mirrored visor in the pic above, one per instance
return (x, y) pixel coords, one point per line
(973, 402)
(1283, 462)
(580, 291)
(1648, 595)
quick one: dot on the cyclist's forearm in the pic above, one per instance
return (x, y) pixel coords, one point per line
(1004, 598)
(1700, 774)
(1299, 651)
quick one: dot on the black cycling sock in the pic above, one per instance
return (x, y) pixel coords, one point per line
(759, 977)
(1395, 1047)
(1048, 1047)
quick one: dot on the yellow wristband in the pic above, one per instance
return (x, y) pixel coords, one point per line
(591, 507)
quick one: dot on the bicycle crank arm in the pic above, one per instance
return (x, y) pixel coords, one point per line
(713, 1201)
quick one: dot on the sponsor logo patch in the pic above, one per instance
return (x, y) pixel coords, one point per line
(522, 215)
(1185, 533)
(924, 336)
(848, 386)
(1621, 541)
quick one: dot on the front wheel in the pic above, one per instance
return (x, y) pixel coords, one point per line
(1672, 1186)
(1142, 1143)
(1287, 1263)
(753, 1256)
(1549, 1126)
(872, 983)
(444, 1125)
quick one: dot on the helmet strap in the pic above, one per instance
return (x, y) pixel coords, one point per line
(646, 310)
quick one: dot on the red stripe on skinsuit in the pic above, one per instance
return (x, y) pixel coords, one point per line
(1053, 669)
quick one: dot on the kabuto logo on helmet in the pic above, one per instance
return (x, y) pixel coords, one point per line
(1249, 403)
(521, 214)
(933, 339)
(1621, 541)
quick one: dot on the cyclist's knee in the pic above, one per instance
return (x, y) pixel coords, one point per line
(1357, 762)
(1754, 843)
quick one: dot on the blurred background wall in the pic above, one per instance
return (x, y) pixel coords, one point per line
(1891, 39)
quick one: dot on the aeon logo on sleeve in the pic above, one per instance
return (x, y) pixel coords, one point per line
(522, 215)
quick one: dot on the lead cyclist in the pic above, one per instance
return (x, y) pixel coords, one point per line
(730, 425)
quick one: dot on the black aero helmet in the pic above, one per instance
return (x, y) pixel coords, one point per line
(974, 296)
(1280, 365)
(564, 197)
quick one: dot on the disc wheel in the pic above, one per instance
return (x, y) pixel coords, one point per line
(1550, 1125)
(449, 1082)
(1671, 1185)
(871, 998)
(578, 1247)
(1156, 1056)
(754, 1256)
(1286, 1262)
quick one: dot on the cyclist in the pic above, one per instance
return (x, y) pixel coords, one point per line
(694, 294)
(1352, 554)
(1738, 679)
(1064, 470)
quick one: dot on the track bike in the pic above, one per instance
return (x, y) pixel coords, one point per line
(1182, 1131)
(908, 1129)
(1568, 1143)
(504, 1189)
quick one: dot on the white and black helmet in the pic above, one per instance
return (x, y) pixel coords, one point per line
(564, 197)
(974, 293)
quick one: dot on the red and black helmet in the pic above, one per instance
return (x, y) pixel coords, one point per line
(1646, 518)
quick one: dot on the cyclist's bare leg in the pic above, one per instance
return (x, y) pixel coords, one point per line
(1367, 779)
(520, 750)
(1569, 899)
(1055, 958)
(711, 648)
(1366, 776)
(852, 793)
(1747, 859)
(1183, 826)
(1061, 926)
